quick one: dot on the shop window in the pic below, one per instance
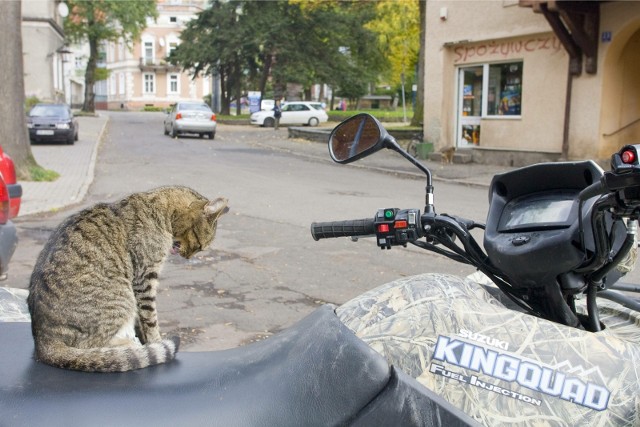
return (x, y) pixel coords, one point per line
(486, 90)
(504, 92)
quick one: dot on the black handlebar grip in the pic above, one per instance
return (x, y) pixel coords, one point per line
(353, 227)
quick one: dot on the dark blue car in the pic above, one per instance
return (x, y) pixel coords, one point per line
(52, 123)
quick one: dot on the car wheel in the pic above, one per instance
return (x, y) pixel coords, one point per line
(166, 132)
(174, 134)
(269, 122)
(212, 135)
(71, 140)
(313, 121)
(201, 135)
(77, 136)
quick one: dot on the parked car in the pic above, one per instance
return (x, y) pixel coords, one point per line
(190, 117)
(267, 104)
(10, 197)
(52, 123)
(293, 113)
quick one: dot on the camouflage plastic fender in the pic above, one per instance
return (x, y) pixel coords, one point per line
(498, 365)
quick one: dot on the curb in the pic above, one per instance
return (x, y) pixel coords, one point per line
(84, 188)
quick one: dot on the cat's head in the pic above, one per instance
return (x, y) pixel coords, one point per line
(196, 228)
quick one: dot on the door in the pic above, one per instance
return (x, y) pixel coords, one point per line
(294, 114)
(470, 80)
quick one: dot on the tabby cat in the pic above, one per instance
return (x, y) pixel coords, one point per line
(93, 288)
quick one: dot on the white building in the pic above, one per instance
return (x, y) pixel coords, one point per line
(43, 47)
(142, 77)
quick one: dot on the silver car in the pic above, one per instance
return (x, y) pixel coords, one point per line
(190, 117)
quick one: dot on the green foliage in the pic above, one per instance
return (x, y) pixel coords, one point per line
(252, 43)
(102, 74)
(39, 174)
(397, 25)
(151, 108)
(382, 115)
(108, 20)
(96, 21)
(30, 102)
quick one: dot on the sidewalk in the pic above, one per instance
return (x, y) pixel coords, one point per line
(388, 161)
(75, 164)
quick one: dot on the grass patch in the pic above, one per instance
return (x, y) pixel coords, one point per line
(382, 115)
(40, 174)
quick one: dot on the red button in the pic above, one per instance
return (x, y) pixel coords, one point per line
(401, 224)
(383, 228)
(628, 157)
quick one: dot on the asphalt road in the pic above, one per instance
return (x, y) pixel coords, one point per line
(263, 271)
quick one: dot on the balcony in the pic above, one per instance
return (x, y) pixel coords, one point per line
(158, 65)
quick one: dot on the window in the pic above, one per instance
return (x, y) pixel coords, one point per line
(148, 52)
(174, 83)
(149, 83)
(120, 50)
(112, 84)
(486, 91)
(173, 19)
(121, 84)
(505, 89)
(172, 46)
(295, 107)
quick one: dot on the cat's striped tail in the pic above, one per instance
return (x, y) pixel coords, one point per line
(108, 359)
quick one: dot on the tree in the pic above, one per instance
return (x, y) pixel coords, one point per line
(13, 127)
(281, 42)
(418, 111)
(398, 28)
(97, 21)
(346, 54)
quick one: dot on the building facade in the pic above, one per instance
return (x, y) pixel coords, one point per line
(510, 83)
(140, 77)
(43, 50)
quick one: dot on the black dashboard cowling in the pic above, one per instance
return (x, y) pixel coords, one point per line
(532, 231)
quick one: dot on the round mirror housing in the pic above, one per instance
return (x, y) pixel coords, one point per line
(356, 137)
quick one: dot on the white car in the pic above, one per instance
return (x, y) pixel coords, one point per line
(293, 113)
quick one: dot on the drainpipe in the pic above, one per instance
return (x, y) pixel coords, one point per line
(567, 114)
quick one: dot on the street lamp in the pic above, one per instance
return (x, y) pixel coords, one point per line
(65, 55)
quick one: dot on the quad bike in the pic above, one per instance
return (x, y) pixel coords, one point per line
(543, 334)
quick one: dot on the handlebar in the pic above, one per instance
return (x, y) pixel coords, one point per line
(348, 228)
(398, 227)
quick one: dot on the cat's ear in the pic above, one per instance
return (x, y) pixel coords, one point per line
(216, 207)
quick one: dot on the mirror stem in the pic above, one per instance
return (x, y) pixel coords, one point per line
(392, 144)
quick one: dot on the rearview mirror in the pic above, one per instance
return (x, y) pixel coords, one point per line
(361, 135)
(356, 137)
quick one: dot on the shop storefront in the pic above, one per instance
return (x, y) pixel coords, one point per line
(498, 94)
(498, 83)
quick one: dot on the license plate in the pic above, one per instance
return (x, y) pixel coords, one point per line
(44, 132)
